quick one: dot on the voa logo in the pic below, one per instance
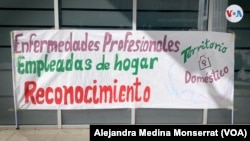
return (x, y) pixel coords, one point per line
(234, 13)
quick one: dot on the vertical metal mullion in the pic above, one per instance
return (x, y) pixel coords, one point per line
(209, 28)
(134, 15)
(203, 15)
(56, 14)
(204, 24)
(13, 83)
(216, 22)
(56, 25)
(210, 15)
(134, 28)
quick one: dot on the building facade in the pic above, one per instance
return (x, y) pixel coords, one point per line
(169, 15)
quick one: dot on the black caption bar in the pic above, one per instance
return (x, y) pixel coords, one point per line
(164, 132)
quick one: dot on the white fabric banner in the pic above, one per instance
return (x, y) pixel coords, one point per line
(100, 69)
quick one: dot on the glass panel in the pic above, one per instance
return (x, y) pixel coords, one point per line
(105, 14)
(167, 14)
